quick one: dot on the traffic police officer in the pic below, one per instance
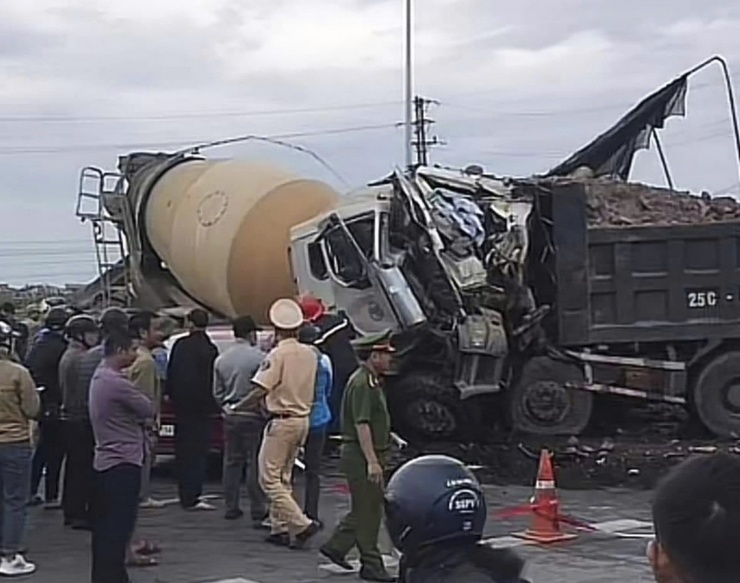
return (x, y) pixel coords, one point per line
(286, 382)
(435, 513)
(366, 440)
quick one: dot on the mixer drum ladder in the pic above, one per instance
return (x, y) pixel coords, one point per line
(100, 203)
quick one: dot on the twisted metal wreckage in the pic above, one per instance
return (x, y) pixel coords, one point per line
(517, 298)
(514, 296)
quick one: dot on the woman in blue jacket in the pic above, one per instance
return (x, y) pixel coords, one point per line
(320, 419)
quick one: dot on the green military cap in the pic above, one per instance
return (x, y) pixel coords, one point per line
(378, 342)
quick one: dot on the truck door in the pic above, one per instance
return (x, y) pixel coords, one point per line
(374, 298)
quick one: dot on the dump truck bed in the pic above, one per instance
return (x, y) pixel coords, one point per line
(642, 283)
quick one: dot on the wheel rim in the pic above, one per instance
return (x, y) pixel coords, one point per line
(546, 403)
(432, 418)
(731, 397)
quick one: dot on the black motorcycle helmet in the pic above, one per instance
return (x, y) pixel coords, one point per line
(113, 319)
(308, 334)
(78, 326)
(56, 319)
(432, 499)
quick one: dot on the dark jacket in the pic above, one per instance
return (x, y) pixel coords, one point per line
(75, 386)
(463, 564)
(43, 363)
(190, 375)
(335, 336)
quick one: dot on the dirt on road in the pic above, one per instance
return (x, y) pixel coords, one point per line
(634, 450)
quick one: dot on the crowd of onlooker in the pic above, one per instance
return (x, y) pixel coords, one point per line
(93, 392)
(81, 398)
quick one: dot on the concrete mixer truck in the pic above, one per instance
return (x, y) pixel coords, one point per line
(506, 301)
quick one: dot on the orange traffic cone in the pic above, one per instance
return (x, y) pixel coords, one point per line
(545, 526)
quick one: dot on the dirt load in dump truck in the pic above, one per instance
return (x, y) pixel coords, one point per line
(526, 299)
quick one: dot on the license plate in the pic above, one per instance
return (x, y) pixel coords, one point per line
(167, 431)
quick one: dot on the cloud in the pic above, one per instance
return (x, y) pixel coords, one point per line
(521, 86)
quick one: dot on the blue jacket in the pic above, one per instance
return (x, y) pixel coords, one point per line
(320, 412)
(160, 361)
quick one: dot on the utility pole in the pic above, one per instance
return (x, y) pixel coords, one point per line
(422, 142)
(408, 90)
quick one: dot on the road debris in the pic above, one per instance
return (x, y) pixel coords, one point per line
(634, 450)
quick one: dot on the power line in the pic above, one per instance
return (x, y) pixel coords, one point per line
(55, 242)
(5, 150)
(734, 187)
(556, 111)
(193, 115)
(38, 274)
(556, 154)
(308, 110)
(74, 260)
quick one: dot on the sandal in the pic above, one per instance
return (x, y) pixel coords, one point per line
(145, 547)
(141, 561)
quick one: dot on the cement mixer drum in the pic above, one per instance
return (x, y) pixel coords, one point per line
(222, 228)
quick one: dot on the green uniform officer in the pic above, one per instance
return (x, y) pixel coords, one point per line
(366, 440)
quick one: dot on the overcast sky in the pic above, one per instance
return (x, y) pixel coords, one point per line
(521, 85)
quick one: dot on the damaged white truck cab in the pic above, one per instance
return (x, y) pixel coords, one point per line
(344, 258)
(439, 258)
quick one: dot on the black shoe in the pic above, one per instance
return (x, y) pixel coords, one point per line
(81, 525)
(336, 559)
(307, 534)
(281, 539)
(380, 576)
(233, 514)
(260, 524)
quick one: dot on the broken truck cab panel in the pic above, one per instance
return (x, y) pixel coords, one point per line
(464, 253)
(433, 256)
(344, 258)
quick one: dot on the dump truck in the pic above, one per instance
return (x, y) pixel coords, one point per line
(520, 300)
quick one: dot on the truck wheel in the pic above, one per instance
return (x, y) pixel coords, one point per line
(716, 397)
(541, 404)
(422, 408)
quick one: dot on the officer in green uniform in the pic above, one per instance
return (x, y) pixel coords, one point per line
(366, 441)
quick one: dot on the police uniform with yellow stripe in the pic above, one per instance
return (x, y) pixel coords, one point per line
(364, 402)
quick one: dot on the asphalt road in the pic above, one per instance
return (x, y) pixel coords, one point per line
(203, 547)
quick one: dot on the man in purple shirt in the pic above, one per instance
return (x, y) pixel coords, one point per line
(120, 416)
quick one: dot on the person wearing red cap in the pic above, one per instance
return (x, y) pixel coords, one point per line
(335, 340)
(313, 308)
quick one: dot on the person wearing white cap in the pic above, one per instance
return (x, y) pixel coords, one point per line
(286, 381)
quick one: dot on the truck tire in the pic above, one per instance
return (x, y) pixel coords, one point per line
(716, 395)
(424, 409)
(541, 404)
